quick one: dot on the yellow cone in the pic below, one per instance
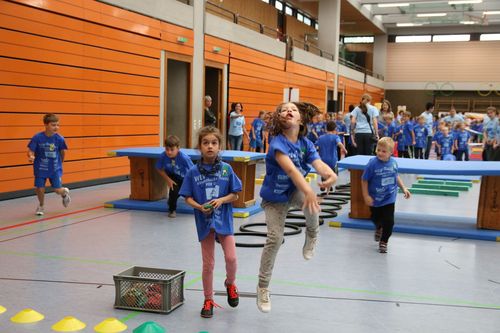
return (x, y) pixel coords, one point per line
(110, 325)
(27, 316)
(2, 309)
(68, 324)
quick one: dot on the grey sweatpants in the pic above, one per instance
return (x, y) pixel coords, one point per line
(275, 221)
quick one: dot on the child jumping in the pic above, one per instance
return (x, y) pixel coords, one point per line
(284, 186)
(172, 166)
(46, 151)
(379, 185)
(209, 187)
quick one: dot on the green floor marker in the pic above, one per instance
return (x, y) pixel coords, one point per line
(432, 192)
(441, 187)
(149, 327)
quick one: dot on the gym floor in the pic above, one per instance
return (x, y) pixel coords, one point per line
(62, 264)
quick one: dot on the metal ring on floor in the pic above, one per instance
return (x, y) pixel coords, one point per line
(295, 229)
(258, 234)
(343, 186)
(329, 213)
(300, 223)
(338, 201)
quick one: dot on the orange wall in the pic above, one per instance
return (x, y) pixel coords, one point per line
(94, 65)
(354, 89)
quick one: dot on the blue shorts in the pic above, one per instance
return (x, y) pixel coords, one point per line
(55, 181)
(256, 143)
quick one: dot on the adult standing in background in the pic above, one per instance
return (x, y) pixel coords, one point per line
(453, 118)
(385, 109)
(364, 125)
(237, 127)
(428, 121)
(210, 117)
(489, 134)
(351, 150)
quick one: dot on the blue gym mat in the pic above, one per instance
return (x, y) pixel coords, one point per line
(182, 207)
(434, 225)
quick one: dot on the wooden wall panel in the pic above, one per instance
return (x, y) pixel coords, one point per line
(212, 44)
(255, 10)
(96, 66)
(443, 62)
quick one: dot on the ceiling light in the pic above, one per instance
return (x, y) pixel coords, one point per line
(382, 5)
(408, 24)
(467, 22)
(431, 14)
(463, 2)
(494, 12)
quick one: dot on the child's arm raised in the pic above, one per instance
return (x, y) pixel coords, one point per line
(310, 201)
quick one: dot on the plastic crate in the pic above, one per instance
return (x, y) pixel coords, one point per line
(149, 289)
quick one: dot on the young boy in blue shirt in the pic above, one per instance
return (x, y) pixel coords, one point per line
(461, 142)
(445, 143)
(172, 166)
(420, 132)
(328, 144)
(46, 151)
(256, 135)
(379, 185)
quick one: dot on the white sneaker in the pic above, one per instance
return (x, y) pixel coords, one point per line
(309, 246)
(66, 199)
(263, 300)
(39, 211)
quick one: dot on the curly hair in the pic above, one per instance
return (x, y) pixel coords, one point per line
(307, 112)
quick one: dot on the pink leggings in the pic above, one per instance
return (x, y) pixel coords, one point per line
(207, 252)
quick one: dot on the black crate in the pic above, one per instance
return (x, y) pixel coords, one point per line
(149, 289)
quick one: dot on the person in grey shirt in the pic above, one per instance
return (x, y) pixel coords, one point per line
(427, 114)
(364, 125)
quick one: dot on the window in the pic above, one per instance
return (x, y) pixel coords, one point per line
(288, 10)
(316, 26)
(488, 37)
(307, 20)
(279, 5)
(451, 38)
(266, 1)
(359, 39)
(300, 17)
(413, 39)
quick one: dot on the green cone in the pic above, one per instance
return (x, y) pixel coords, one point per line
(149, 327)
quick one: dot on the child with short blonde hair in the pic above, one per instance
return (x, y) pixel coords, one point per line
(379, 185)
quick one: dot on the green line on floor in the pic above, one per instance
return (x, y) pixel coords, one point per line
(441, 187)
(192, 281)
(130, 316)
(432, 192)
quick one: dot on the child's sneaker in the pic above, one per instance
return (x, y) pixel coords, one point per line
(233, 298)
(382, 247)
(378, 234)
(309, 245)
(208, 308)
(39, 211)
(66, 199)
(172, 214)
(263, 300)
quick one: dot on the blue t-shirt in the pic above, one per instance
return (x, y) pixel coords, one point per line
(203, 188)
(382, 181)
(446, 143)
(320, 128)
(47, 149)
(341, 128)
(327, 145)
(407, 129)
(490, 127)
(400, 138)
(177, 166)
(429, 122)
(236, 124)
(362, 125)
(420, 136)
(257, 126)
(277, 185)
(462, 137)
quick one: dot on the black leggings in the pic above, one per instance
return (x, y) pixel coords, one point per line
(173, 193)
(419, 153)
(383, 217)
(364, 144)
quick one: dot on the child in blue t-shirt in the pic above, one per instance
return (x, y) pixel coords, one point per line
(172, 166)
(287, 163)
(256, 133)
(420, 132)
(408, 134)
(46, 151)
(209, 187)
(379, 185)
(328, 144)
(445, 142)
(462, 139)
(401, 139)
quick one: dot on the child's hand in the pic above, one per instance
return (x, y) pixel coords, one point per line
(406, 193)
(368, 200)
(344, 151)
(206, 208)
(311, 203)
(327, 183)
(171, 183)
(216, 203)
(31, 159)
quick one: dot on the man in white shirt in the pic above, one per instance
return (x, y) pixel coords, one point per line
(427, 114)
